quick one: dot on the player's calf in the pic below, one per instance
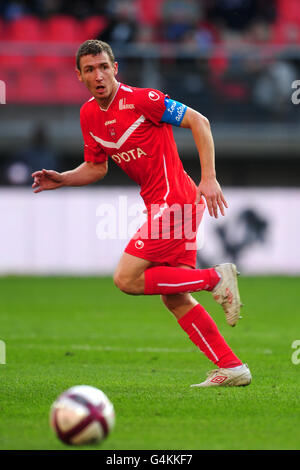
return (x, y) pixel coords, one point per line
(179, 304)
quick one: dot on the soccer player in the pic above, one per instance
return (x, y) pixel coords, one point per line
(133, 126)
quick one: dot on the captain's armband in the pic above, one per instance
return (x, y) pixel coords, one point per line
(174, 112)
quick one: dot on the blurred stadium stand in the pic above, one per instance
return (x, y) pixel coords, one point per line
(235, 62)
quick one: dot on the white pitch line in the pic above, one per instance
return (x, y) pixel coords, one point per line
(87, 347)
(142, 349)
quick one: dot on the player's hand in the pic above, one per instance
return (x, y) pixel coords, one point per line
(211, 190)
(46, 179)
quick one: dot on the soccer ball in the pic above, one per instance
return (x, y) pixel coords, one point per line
(82, 415)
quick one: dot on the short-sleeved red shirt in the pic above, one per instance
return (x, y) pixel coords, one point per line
(131, 132)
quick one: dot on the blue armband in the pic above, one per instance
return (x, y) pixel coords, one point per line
(174, 112)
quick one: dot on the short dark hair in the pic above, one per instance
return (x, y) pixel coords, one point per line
(93, 47)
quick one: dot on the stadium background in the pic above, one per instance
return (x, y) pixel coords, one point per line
(236, 62)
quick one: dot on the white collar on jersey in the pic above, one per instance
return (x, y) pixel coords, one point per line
(112, 98)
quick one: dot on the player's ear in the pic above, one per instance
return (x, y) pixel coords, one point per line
(78, 73)
(116, 65)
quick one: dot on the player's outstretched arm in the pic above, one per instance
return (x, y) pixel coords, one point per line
(86, 173)
(209, 186)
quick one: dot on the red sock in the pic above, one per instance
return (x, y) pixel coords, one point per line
(204, 333)
(168, 280)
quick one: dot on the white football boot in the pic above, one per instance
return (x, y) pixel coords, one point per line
(226, 292)
(227, 378)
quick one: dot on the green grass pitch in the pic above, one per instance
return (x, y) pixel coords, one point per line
(61, 332)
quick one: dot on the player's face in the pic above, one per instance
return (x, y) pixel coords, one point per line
(98, 73)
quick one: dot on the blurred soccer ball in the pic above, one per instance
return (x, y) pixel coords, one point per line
(82, 415)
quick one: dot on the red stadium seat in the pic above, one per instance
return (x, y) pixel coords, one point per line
(68, 89)
(286, 29)
(11, 66)
(27, 28)
(285, 33)
(34, 87)
(15, 62)
(218, 64)
(288, 11)
(63, 28)
(92, 26)
(149, 12)
(53, 62)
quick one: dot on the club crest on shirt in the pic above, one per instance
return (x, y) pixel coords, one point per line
(112, 131)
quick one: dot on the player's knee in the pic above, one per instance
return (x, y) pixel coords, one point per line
(120, 282)
(125, 284)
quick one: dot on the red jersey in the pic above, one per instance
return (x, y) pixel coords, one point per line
(131, 132)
